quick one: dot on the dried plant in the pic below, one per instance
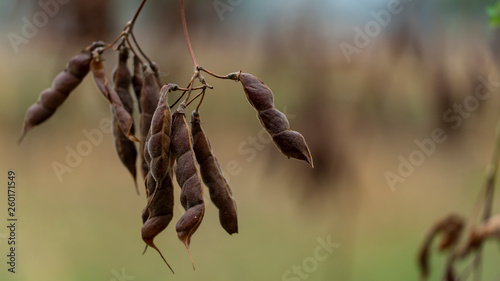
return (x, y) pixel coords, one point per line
(167, 144)
(461, 241)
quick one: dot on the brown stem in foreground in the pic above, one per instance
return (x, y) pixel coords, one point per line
(186, 34)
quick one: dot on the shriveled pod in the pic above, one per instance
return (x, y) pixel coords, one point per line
(188, 179)
(150, 96)
(158, 143)
(159, 211)
(137, 80)
(64, 83)
(290, 143)
(123, 118)
(211, 174)
(147, 161)
(124, 147)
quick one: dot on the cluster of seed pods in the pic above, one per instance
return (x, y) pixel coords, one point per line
(167, 145)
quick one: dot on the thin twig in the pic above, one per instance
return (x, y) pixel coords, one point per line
(213, 74)
(127, 30)
(186, 34)
(139, 48)
(491, 175)
(132, 22)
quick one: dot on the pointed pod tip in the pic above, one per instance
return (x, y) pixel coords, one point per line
(26, 129)
(186, 243)
(310, 161)
(20, 140)
(136, 186)
(159, 252)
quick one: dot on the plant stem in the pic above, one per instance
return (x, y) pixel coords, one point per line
(128, 28)
(186, 34)
(132, 21)
(491, 175)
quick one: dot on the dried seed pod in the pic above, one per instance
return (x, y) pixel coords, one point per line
(290, 143)
(64, 83)
(451, 227)
(123, 118)
(293, 144)
(137, 80)
(188, 178)
(150, 96)
(258, 93)
(211, 174)
(159, 213)
(124, 147)
(147, 162)
(158, 144)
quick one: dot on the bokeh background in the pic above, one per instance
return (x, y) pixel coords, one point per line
(359, 115)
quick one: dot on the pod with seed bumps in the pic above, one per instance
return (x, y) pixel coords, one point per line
(137, 80)
(124, 147)
(64, 83)
(290, 143)
(187, 177)
(124, 119)
(211, 174)
(158, 143)
(159, 213)
(149, 97)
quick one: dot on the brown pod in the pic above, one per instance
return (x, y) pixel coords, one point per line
(63, 84)
(274, 121)
(257, 92)
(79, 65)
(159, 213)
(290, 143)
(123, 118)
(37, 113)
(149, 182)
(159, 143)
(126, 151)
(52, 99)
(188, 179)
(124, 147)
(137, 80)
(211, 174)
(150, 185)
(150, 96)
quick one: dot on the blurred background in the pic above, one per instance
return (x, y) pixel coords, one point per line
(363, 81)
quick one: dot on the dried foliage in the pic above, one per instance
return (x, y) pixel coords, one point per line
(463, 243)
(167, 144)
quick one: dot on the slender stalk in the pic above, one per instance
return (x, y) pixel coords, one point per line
(139, 48)
(132, 21)
(128, 27)
(186, 34)
(213, 74)
(491, 175)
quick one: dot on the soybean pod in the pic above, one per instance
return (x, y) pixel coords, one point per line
(125, 148)
(62, 86)
(149, 98)
(211, 174)
(188, 178)
(290, 143)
